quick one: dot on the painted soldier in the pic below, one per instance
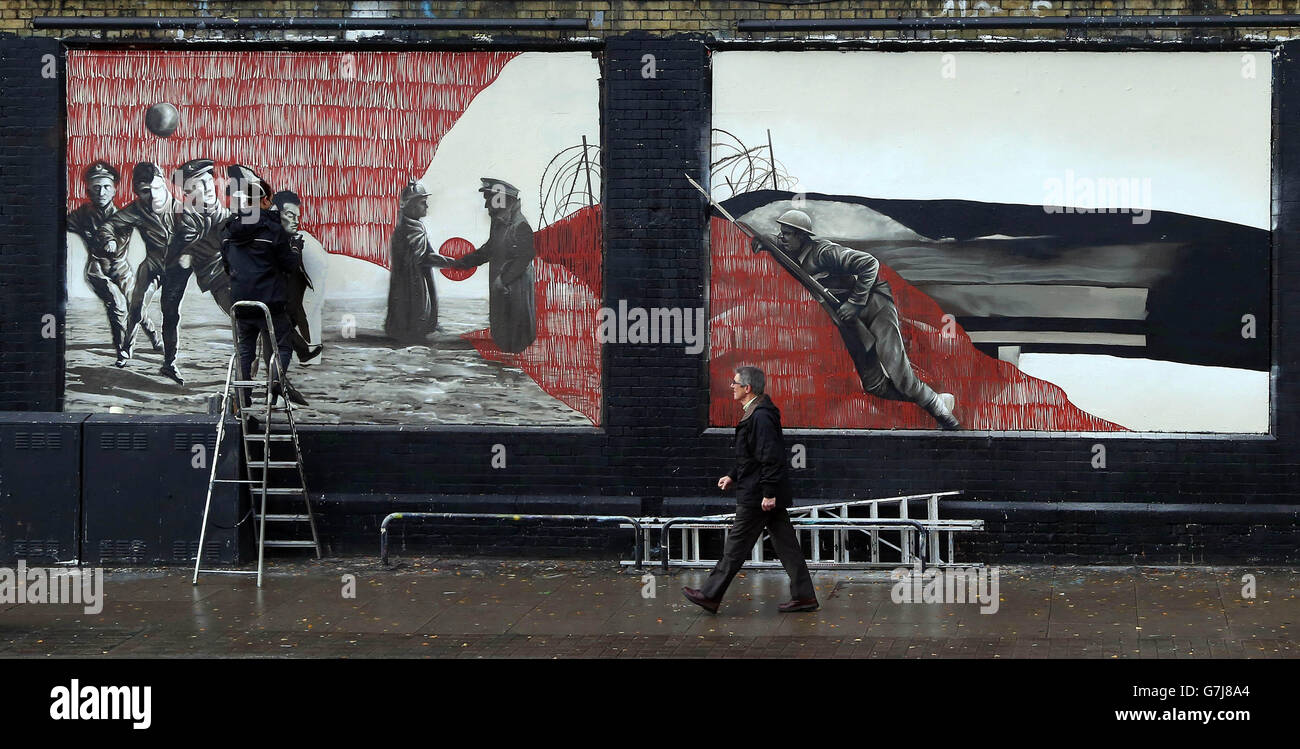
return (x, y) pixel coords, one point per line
(853, 277)
(509, 252)
(153, 216)
(195, 251)
(314, 264)
(412, 296)
(109, 275)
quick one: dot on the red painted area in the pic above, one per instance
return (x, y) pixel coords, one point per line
(346, 131)
(565, 358)
(762, 316)
(457, 248)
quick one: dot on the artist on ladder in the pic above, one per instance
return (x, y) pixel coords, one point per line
(257, 254)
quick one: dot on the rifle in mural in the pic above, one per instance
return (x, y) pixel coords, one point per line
(824, 297)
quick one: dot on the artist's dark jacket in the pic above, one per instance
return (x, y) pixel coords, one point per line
(257, 256)
(760, 457)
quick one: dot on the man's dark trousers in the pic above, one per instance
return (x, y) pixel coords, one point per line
(744, 533)
(251, 325)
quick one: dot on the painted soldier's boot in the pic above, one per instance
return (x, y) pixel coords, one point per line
(941, 407)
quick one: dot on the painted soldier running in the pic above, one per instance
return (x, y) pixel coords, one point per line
(195, 251)
(108, 274)
(853, 277)
(509, 252)
(153, 217)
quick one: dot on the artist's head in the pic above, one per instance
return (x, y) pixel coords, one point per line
(500, 198)
(247, 190)
(289, 205)
(149, 186)
(796, 230)
(415, 200)
(747, 382)
(101, 183)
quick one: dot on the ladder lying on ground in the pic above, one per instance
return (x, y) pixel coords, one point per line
(272, 500)
(920, 538)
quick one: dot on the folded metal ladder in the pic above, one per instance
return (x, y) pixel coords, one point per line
(272, 499)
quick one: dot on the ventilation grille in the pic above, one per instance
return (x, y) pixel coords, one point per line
(123, 551)
(123, 441)
(38, 440)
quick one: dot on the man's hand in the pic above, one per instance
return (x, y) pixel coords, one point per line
(848, 311)
(769, 503)
(725, 483)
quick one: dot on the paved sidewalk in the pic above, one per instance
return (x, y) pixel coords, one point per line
(582, 609)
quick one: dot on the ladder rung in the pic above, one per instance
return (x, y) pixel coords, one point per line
(236, 481)
(311, 544)
(258, 489)
(274, 437)
(273, 464)
(248, 383)
(285, 518)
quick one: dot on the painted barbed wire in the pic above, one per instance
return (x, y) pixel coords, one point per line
(737, 168)
(570, 182)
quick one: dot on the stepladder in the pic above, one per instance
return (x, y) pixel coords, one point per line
(273, 474)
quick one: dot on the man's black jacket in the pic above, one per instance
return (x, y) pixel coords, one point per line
(760, 457)
(258, 255)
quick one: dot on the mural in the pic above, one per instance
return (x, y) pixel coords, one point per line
(445, 207)
(994, 241)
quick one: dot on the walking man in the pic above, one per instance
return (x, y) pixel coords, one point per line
(763, 495)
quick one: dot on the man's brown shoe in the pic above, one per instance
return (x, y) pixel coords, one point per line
(798, 604)
(697, 598)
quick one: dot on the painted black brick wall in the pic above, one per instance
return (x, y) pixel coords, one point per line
(31, 219)
(1158, 499)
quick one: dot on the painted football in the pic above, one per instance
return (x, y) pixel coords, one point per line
(162, 119)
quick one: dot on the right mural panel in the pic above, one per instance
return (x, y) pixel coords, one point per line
(1054, 241)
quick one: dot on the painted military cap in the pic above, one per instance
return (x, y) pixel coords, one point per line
(144, 171)
(196, 167)
(101, 169)
(412, 191)
(496, 185)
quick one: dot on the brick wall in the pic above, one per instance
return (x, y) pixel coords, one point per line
(1174, 499)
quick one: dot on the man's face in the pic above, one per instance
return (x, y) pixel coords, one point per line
(289, 213)
(201, 190)
(102, 191)
(497, 204)
(792, 238)
(738, 392)
(153, 193)
(417, 207)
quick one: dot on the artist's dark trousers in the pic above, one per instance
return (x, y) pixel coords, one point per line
(744, 533)
(250, 329)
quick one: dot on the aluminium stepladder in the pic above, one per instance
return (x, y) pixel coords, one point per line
(259, 468)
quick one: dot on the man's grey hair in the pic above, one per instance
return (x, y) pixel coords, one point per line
(753, 377)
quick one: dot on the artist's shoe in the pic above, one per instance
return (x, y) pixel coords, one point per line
(294, 396)
(798, 604)
(697, 598)
(170, 372)
(122, 358)
(312, 353)
(155, 338)
(942, 411)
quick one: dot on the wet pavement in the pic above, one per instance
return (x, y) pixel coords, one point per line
(584, 609)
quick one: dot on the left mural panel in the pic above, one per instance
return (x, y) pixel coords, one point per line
(445, 205)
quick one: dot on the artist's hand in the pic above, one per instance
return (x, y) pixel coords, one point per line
(769, 503)
(848, 311)
(725, 483)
